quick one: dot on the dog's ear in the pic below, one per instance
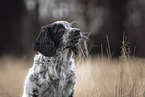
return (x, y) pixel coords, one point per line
(75, 49)
(44, 44)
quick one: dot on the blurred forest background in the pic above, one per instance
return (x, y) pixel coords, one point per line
(21, 20)
(105, 21)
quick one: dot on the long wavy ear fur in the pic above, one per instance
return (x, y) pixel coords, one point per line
(44, 43)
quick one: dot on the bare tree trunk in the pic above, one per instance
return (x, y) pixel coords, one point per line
(18, 27)
(10, 26)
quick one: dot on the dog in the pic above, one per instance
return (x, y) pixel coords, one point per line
(53, 73)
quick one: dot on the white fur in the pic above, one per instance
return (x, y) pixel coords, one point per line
(51, 78)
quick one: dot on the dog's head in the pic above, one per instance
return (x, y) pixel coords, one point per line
(58, 35)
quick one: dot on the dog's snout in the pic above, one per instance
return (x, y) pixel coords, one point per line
(76, 32)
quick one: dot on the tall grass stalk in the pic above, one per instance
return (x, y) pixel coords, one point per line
(96, 77)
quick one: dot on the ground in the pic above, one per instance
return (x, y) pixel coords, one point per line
(96, 77)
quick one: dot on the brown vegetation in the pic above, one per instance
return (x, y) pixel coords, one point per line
(95, 77)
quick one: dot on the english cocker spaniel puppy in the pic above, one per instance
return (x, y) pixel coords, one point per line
(53, 73)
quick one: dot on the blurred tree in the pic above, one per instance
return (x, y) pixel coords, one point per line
(10, 23)
(135, 26)
(15, 37)
(20, 22)
(113, 24)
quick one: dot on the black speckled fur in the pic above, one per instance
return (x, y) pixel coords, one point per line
(53, 73)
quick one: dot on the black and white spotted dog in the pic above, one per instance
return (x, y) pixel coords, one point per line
(53, 73)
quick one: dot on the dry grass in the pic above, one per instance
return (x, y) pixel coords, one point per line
(110, 79)
(12, 76)
(95, 78)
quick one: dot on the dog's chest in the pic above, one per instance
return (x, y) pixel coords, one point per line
(54, 73)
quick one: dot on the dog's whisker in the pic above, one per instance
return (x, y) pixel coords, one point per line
(69, 45)
(84, 37)
(82, 52)
(85, 32)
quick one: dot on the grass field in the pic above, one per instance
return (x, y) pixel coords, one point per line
(96, 77)
(110, 79)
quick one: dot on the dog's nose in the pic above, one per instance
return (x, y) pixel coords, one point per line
(76, 32)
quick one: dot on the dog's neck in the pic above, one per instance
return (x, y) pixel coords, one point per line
(57, 65)
(65, 55)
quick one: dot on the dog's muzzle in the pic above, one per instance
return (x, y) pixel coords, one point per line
(74, 37)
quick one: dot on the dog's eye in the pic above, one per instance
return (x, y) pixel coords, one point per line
(60, 29)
